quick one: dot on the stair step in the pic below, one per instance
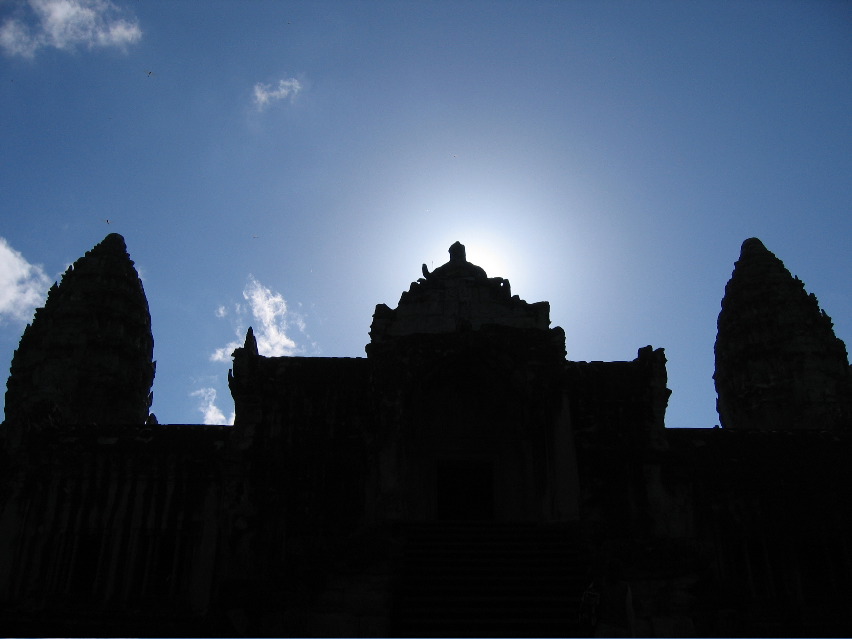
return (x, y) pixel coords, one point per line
(456, 590)
(488, 628)
(467, 562)
(531, 548)
(460, 578)
(501, 580)
(444, 562)
(508, 605)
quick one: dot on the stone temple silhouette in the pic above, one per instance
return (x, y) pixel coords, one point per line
(464, 478)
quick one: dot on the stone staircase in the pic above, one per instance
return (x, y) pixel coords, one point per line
(489, 579)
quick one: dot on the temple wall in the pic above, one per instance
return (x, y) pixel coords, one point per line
(617, 417)
(120, 519)
(772, 511)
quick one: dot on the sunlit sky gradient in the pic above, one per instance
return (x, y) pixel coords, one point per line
(289, 165)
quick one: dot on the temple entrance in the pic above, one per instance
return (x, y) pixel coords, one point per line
(464, 489)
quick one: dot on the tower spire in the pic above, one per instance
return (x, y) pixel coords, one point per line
(87, 356)
(779, 364)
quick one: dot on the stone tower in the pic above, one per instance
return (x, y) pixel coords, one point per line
(779, 365)
(87, 356)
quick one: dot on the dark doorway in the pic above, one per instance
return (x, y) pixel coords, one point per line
(465, 489)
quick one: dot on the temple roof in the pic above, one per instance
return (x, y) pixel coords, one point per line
(457, 296)
(458, 266)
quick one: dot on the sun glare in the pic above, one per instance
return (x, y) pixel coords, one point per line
(481, 254)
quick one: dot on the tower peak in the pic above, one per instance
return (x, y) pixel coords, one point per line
(752, 246)
(457, 267)
(457, 252)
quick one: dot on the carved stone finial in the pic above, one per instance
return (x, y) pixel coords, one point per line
(751, 246)
(114, 243)
(251, 342)
(457, 253)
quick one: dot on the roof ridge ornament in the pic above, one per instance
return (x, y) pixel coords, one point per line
(458, 266)
(457, 252)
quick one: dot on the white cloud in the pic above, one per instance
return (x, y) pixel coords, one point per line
(66, 24)
(223, 353)
(23, 286)
(213, 415)
(271, 320)
(264, 94)
(15, 39)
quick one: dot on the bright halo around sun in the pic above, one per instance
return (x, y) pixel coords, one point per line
(488, 257)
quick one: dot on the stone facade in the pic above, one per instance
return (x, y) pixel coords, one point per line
(462, 479)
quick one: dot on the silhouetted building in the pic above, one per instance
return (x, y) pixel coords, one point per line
(462, 479)
(778, 363)
(87, 356)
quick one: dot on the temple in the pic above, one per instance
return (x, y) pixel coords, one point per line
(464, 478)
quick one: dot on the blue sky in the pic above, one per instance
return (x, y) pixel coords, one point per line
(289, 165)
